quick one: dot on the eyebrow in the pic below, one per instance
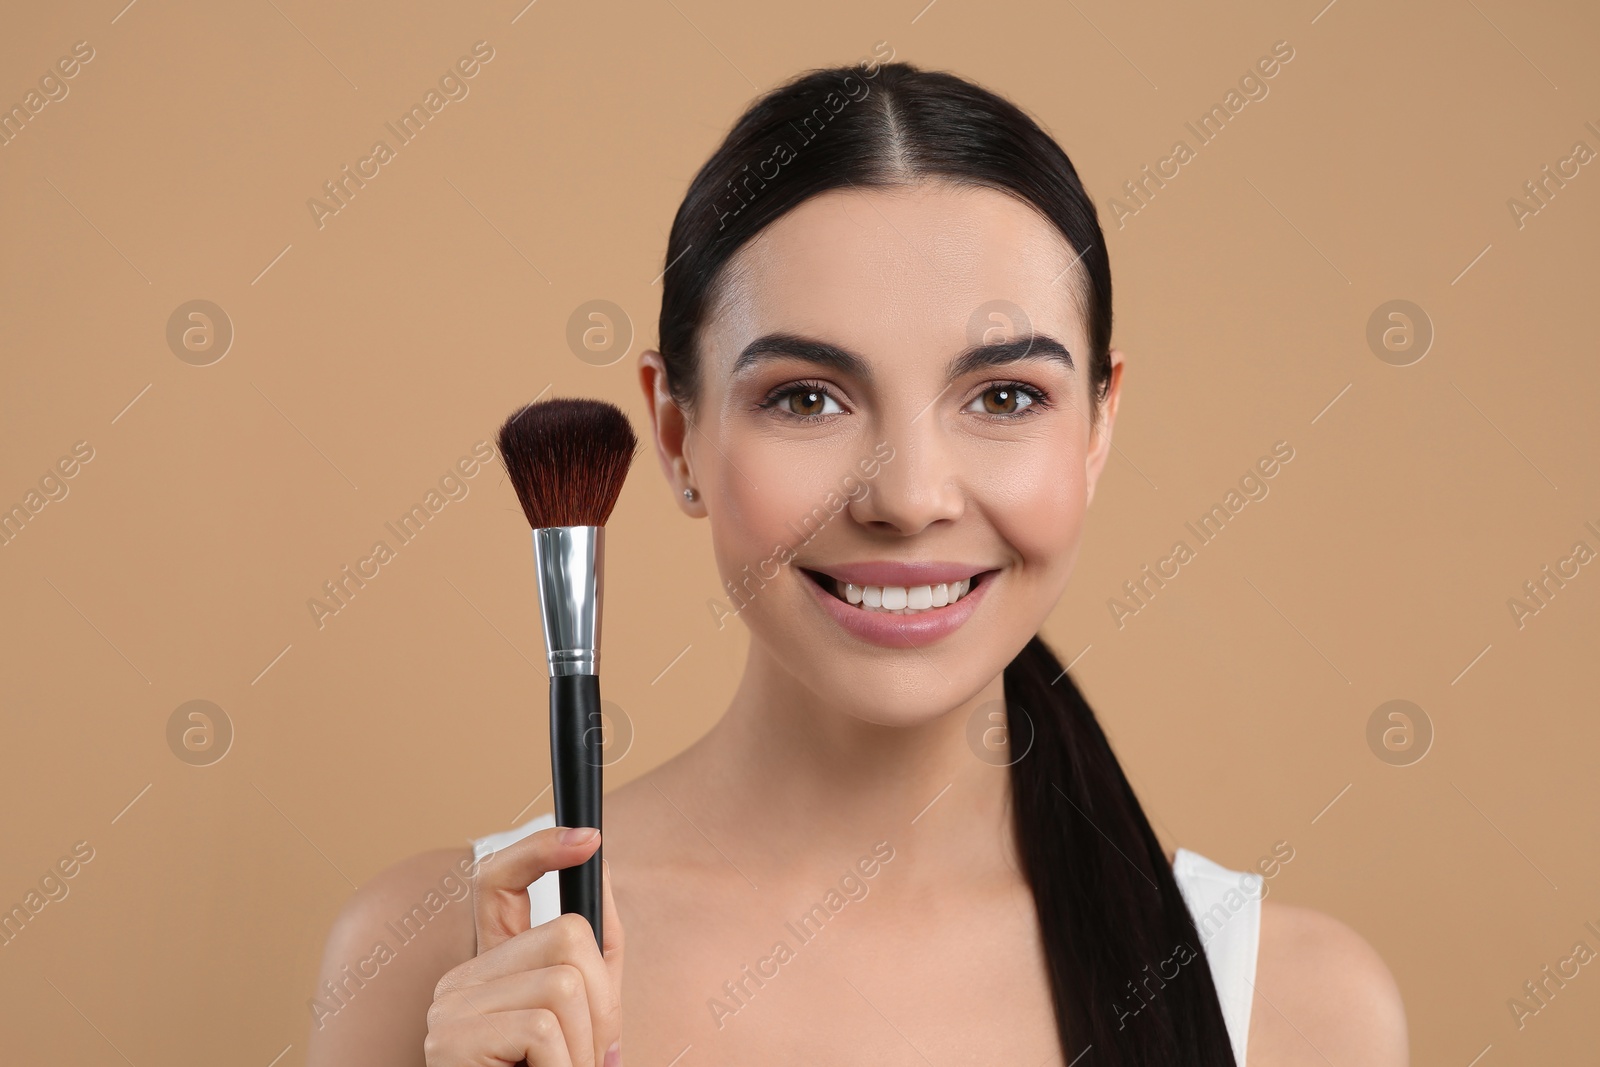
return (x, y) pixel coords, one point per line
(783, 345)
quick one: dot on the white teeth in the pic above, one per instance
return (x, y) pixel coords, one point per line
(900, 599)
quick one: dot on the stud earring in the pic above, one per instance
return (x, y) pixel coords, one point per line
(688, 494)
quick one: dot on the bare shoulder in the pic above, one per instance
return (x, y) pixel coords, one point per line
(390, 944)
(1323, 994)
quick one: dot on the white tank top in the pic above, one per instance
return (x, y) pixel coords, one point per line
(1225, 904)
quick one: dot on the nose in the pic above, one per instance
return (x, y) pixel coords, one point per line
(917, 487)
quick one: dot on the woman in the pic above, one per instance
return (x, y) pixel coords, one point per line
(885, 378)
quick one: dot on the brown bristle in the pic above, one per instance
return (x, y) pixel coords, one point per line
(567, 459)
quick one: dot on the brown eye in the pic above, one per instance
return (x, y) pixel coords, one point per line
(802, 402)
(1009, 399)
(1000, 400)
(807, 401)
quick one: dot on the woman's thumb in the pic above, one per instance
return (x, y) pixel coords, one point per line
(610, 922)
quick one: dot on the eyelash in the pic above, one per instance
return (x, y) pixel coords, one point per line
(1037, 398)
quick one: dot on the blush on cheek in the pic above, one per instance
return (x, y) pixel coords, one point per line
(751, 530)
(802, 490)
(1038, 509)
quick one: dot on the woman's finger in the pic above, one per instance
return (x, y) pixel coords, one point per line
(559, 989)
(611, 926)
(566, 939)
(501, 879)
(532, 1036)
(608, 1024)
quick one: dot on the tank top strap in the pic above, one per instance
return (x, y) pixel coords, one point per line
(1226, 907)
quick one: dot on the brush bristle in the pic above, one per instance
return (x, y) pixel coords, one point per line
(567, 459)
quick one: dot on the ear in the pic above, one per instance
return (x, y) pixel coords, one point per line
(669, 429)
(1100, 439)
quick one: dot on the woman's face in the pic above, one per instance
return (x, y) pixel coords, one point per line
(877, 423)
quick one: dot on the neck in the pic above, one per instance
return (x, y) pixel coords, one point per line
(796, 782)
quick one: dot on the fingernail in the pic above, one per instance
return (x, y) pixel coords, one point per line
(578, 835)
(614, 1053)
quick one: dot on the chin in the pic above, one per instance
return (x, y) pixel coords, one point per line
(904, 710)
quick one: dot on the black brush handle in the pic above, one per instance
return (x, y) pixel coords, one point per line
(576, 757)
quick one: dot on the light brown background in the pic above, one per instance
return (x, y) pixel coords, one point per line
(375, 351)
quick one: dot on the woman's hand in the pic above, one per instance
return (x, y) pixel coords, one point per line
(546, 995)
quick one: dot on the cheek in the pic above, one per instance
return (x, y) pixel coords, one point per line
(763, 505)
(771, 494)
(744, 525)
(1036, 500)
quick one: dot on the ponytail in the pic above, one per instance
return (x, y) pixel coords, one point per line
(1113, 923)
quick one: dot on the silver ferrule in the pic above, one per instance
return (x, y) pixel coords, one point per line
(570, 561)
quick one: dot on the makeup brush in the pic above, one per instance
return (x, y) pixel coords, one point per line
(567, 460)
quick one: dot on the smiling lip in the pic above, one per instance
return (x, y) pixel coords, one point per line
(899, 631)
